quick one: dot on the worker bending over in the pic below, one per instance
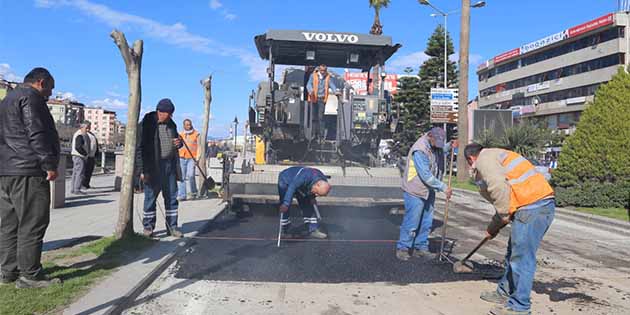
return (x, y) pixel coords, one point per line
(523, 197)
(305, 183)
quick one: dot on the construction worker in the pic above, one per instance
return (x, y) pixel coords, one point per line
(419, 184)
(318, 87)
(305, 183)
(187, 156)
(523, 197)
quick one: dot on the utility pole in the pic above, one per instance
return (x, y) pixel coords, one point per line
(462, 123)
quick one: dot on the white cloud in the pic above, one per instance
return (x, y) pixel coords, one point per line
(7, 73)
(110, 103)
(67, 96)
(216, 5)
(413, 60)
(175, 34)
(473, 59)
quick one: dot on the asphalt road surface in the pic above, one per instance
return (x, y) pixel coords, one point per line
(236, 268)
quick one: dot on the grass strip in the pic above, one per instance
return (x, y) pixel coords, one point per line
(79, 267)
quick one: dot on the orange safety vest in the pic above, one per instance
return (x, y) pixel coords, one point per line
(312, 97)
(527, 185)
(192, 140)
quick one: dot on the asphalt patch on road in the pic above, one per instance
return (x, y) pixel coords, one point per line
(361, 248)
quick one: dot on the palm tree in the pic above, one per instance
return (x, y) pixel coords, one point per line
(377, 28)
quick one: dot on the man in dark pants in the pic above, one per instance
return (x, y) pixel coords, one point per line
(93, 153)
(305, 184)
(30, 155)
(158, 164)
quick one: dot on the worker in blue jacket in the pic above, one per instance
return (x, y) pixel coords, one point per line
(305, 183)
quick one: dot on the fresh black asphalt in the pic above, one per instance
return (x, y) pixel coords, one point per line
(361, 248)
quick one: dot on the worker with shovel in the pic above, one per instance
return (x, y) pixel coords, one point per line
(306, 184)
(523, 197)
(420, 184)
(187, 188)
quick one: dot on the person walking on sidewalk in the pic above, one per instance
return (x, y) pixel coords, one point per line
(30, 150)
(419, 184)
(158, 165)
(80, 149)
(306, 184)
(522, 196)
(187, 156)
(93, 152)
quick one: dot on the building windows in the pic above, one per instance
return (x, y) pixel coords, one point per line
(555, 74)
(584, 42)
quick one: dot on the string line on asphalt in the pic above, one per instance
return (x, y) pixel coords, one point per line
(263, 239)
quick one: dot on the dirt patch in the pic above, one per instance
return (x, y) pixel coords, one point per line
(569, 289)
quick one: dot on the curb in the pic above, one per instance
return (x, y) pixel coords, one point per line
(125, 301)
(576, 215)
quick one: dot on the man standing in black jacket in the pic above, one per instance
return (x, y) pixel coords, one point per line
(158, 163)
(29, 156)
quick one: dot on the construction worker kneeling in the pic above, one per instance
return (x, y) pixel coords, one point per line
(523, 197)
(305, 184)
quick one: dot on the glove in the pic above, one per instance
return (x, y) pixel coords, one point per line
(284, 208)
(495, 226)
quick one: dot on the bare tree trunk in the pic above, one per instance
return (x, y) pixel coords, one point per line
(462, 126)
(203, 138)
(133, 62)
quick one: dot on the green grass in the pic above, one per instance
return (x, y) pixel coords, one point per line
(467, 185)
(613, 213)
(77, 278)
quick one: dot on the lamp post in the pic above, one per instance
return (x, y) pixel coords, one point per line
(463, 56)
(235, 131)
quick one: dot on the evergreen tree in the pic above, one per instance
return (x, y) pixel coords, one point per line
(414, 94)
(594, 166)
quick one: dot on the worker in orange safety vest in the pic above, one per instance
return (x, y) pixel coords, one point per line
(523, 197)
(187, 157)
(319, 86)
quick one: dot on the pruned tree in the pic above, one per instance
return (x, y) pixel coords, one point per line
(133, 61)
(203, 138)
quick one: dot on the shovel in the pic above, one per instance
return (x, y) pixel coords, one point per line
(208, 183)
(460, 266)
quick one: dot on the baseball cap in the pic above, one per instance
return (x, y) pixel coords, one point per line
(439, 135)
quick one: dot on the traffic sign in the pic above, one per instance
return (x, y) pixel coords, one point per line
(443, 117)
(444, 105)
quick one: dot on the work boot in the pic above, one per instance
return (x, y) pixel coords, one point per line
(316, 233)
(6, 279)
(504, 310)
(147, 233)
(402, 254)
(175, 232)
(421, 253)
(493, 297)
(35, 282)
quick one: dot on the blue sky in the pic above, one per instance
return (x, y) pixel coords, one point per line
(184, 41)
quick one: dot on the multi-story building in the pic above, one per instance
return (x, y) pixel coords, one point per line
(103, 124)
(554, 78)
(66, 112)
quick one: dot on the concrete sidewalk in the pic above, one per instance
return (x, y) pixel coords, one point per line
(94, 215)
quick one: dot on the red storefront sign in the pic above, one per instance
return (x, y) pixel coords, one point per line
(591, 25)
(358, 81)
(507, 55)
(578, 30)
